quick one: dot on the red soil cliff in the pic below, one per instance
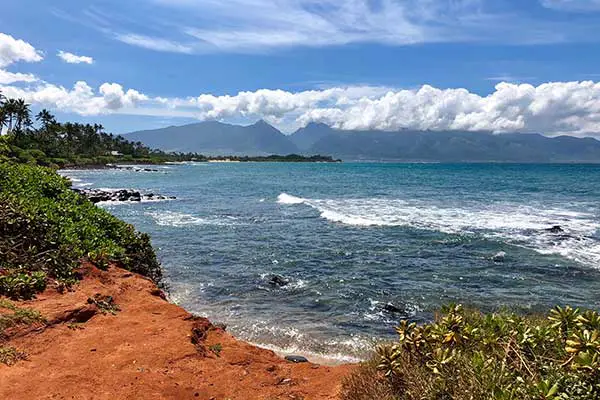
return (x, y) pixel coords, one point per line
(150, 349)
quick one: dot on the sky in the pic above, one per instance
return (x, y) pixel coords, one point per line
(480, 65)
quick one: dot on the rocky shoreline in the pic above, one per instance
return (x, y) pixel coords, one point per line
(121, 195)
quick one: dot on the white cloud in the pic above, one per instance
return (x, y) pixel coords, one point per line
(71, 58)
(13, 50)
(81, 99)
(246, 26)
(572, 5)
(553, 108)
(7, 78)
(116, 98)
(152, 43)
(550, 108)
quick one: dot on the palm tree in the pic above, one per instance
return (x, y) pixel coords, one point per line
(10, 109)
(22, 114)
(46, 118)
(3, 113)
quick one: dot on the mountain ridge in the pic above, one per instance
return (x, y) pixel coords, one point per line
(261, 138)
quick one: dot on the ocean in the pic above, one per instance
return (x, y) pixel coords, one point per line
(363, 245)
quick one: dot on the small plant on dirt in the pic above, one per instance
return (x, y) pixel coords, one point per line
(216, 349)
(468, 355)
(75, 326)
(11, 315)
(10, 355)
(106, 304)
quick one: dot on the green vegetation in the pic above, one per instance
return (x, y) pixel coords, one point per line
(14, 316)
(68, 144)
(57, 144)
(216, 349)
(467, 355)
(9, 355)
(46, 229)
(105, 304)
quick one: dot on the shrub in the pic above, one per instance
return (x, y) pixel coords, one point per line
(46, 229)
(468, 355)
(10, 355)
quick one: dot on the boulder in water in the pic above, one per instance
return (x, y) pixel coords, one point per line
(555, 229)
(499, 257)
(277, 280)
(392, 309)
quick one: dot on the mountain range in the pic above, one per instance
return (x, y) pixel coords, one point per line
(216, 138)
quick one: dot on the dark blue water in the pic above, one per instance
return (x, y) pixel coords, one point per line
(351, 238)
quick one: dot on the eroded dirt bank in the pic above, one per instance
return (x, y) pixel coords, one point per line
(150, 349)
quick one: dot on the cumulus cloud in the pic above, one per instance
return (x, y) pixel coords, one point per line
(81, 99)
(13, 77)
(553, 108)
(71, 58)
(13, 50)
(116, 98)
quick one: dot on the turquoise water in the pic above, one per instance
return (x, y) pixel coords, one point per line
(353, 237)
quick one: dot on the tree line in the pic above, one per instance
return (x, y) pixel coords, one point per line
(43, 140)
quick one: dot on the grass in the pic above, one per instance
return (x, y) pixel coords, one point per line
(466, 355)
(216, 349)
(10, 356)
(17, 316)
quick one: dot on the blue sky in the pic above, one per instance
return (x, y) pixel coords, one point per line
(486, 65)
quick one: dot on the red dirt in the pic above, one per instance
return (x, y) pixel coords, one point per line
(145, 351)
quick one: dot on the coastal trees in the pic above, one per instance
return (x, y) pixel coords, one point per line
(56, 143)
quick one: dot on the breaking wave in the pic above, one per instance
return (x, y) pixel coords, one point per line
(176, 219)
(514, 224)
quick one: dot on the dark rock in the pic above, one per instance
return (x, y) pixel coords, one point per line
(499, 257)
(555, 229)
(390, 308)
(277, 280)
(296, 359)
(97, 196)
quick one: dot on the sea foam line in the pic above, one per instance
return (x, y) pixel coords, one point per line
(177, 219)
(511, 223)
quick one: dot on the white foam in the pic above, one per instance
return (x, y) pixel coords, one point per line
(511, 223)
(176, 219)
(291, 341)
(285, 198)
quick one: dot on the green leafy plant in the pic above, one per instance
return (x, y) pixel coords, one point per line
(216, 349)
(105, 304)
(464, 354)
(10, 356)
(46, 229)
(11, 315)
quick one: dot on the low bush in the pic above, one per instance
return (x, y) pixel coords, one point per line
(46, 229)
(504, 356)
(10, 356)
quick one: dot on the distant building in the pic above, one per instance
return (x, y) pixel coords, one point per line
(115, 153)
